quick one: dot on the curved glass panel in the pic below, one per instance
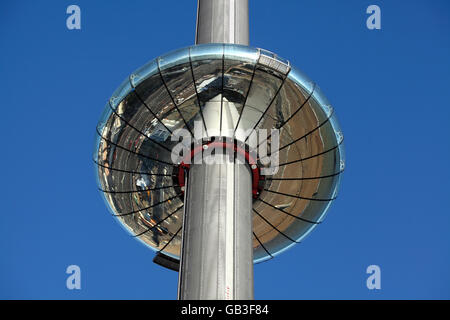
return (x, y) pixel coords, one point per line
(263, 90)
(178, 78)
(208, 72)
(120, 93)
(320, 97)
(207, 51)
(260, 253)
(153, 95)
(238, 76)
(143, 73)
(241, 53)
(106, 114)
(173, 59)
(301, 79)
(254, 88)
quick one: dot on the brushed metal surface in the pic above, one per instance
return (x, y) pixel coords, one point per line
(217, 258)
(222, 21)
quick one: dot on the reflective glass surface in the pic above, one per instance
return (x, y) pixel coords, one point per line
(256, 90)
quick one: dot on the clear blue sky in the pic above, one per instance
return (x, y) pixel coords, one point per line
(391, 92)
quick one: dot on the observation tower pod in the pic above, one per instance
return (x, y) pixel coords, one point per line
(218, 156)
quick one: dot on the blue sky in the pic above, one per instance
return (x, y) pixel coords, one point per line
(390, 89)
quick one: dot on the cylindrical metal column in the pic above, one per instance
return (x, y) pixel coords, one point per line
(222, 21)
(217, 257)
(217, 248)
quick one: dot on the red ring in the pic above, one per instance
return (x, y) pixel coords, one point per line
(256, 175)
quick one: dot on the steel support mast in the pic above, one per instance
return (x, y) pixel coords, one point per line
(217, 251)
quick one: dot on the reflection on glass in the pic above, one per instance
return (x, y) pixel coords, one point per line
(260, 90)
(143, 73)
